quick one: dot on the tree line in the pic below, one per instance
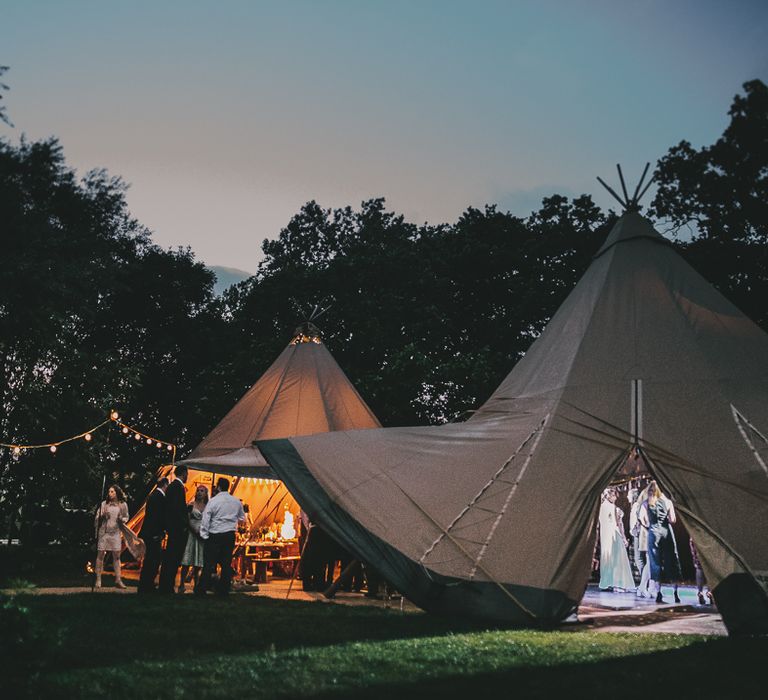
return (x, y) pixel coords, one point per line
(426, 320)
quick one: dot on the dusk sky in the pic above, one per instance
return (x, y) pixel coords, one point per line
(225, 117)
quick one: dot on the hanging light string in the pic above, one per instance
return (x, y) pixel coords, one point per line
(87, 435)
(16, 448)
(147, 439)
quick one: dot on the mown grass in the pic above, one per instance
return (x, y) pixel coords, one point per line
(123, 646)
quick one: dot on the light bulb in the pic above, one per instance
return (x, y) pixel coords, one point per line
(17, 451)
(149, 441)
(125, 431)
(137, 436)
(88, 437)
(170, 448)
(114, 415)
(53, 448)
(158, 444)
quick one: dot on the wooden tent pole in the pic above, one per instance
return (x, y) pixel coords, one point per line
(296, 565)
(635, 198)
(330, 592)
(645, 189)
(623, 185)
(618, 199)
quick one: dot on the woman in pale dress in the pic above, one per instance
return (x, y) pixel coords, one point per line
(193, 554)
(615, 570)
(111, 514)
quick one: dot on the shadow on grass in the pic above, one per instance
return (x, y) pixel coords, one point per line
(86, 631)
(715, 668)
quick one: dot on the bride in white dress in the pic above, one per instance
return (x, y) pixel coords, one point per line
(615, 571)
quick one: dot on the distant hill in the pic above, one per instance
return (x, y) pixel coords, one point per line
(227, 276)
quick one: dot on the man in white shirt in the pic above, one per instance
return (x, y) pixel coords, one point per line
(218, 527)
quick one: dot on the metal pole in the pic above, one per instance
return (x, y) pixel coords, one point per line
(98, 530)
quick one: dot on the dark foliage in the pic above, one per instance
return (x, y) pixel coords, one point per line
(425, 320)
(720, 194)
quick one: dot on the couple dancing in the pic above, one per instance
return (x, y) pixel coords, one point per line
(653, 515)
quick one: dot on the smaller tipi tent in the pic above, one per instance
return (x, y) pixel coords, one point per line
(303, 392)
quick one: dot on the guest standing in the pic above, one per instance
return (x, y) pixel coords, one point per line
(152, 532)
(640, 536)
(615, 571)
(658, 515)
(219, 524)
(111, 513)
(700, 578)
(193, 553)
(177, 525)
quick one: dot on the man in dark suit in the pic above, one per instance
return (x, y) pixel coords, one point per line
(152, 532)
(177, 525)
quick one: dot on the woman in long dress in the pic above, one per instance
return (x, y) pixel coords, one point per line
(658, 515)
(111, 515)
(193, 553)
(615, 570)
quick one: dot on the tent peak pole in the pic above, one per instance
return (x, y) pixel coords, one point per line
(635, 198)
(618, 199)
(623, 185)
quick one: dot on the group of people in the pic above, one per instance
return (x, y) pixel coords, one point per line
(200, 536)
(651, 517)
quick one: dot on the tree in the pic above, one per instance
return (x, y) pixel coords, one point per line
(3, 87)
(93, 315)
(721, 193)
(425, 320)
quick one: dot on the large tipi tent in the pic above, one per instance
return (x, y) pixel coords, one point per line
(303, 392)
(495, 517)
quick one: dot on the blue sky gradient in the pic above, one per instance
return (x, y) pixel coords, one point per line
(226, 117)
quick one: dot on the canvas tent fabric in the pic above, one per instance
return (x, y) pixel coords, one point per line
(495, 517)
(303, 392)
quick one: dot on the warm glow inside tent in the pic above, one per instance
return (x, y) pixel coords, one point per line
(302, 393)
(267, 499)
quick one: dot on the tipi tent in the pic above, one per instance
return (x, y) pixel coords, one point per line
(495, 517)
(303, 392)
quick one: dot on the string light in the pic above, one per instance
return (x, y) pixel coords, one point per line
(87, 435)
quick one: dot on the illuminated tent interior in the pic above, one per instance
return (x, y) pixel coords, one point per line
(303, 392)
(495, 517)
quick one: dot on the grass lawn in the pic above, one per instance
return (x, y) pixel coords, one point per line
(122, 646)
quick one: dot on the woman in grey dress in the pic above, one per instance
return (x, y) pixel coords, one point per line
(111, 514)
(193, 553)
